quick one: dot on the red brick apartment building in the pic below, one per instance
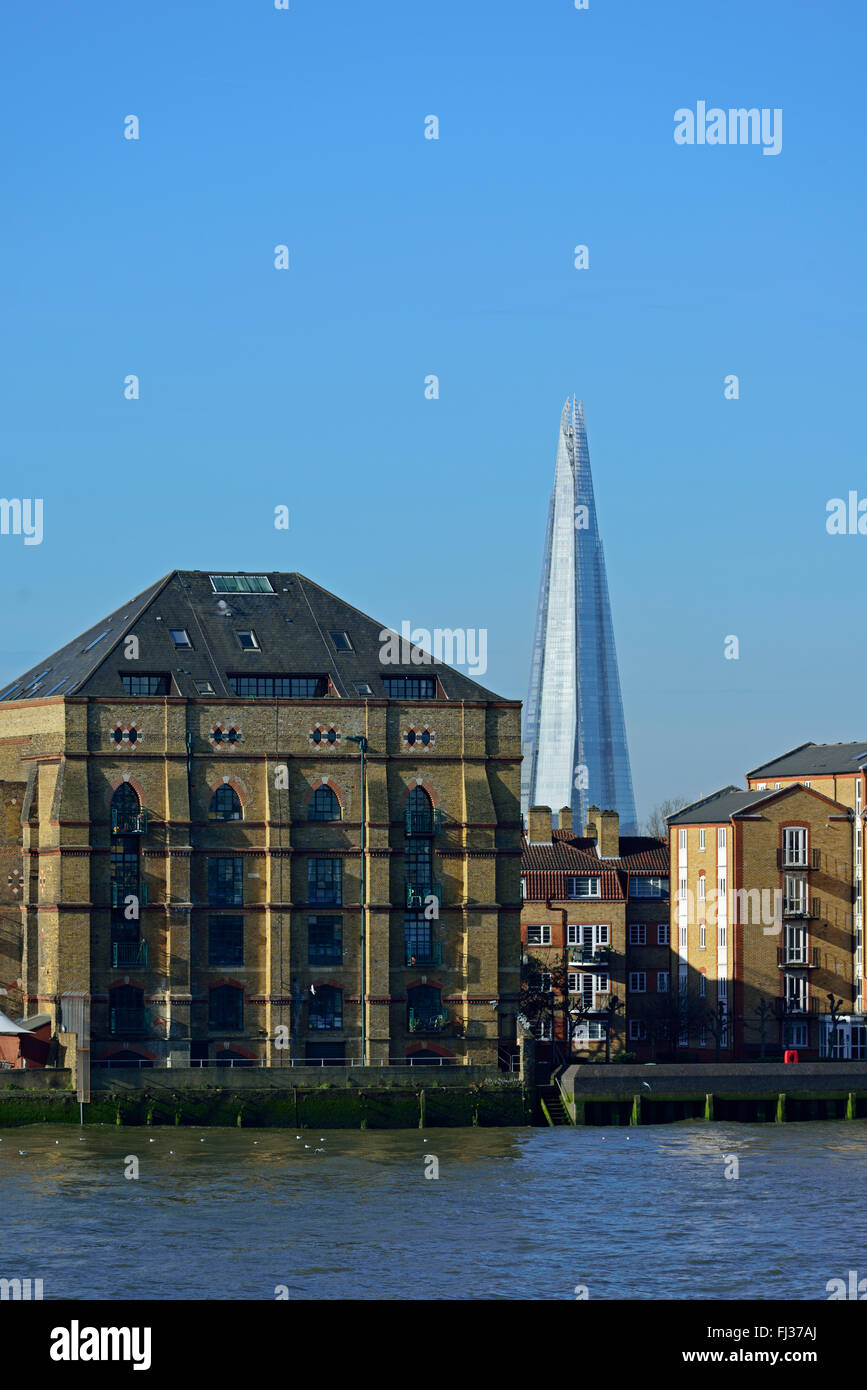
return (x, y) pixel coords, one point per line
(595, 936)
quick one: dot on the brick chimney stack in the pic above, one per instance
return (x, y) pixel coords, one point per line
(539, 825)
(608, 840)
(564, 818)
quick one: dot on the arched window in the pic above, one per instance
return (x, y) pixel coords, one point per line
(323, 805)
(326, 1008)
(125, 809)
(425, 1009)
(225, 804)
(419, 812)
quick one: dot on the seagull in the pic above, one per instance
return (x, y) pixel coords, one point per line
(201, 1141)
(647, 1084)
(81, 1141)
(171, 1151)
(319, 1151)
(152, 1141)
(22, 1152)
(297, 1136)
(307, 1146)
(255, 1141)
(57, 1141)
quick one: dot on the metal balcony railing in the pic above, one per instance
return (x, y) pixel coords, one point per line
(431, 954)
(120, 891)
(417, 892)
(804, 956)
(128, 953)
(428, 1023)
(325, 1021)
(801, 906)
(589, 955)
(800, 1004)
(129, 822)
(798, 859)
(130, 1020)
(423, 822)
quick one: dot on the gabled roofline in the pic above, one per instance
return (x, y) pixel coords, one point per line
(702, 801)
(787, 791)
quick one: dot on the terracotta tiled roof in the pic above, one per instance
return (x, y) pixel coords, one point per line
(545, 867)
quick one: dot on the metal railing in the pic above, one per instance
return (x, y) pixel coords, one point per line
(129, 822)
(423, 822)
(428, 1023)
(431, 954)
(798, 955)
(120, 891)
(128, 953)
(416, 893)
(589, 955)
(261, 1063)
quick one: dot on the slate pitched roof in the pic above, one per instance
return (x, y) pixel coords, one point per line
(815, 760)
(292, 626)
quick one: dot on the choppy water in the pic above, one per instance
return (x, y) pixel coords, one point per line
(642, 1213)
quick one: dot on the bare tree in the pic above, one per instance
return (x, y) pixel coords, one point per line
(655, 824)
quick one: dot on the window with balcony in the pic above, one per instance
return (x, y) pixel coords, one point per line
(226, 941)
(325, 1011)
(325, 880)
(126, 812)
(226, 882)
(795, 946)
(794, 895)
(323, 805)
(325, 940)
(795, 845)
(425, 1010)
(226, 1008)
(225, 804)
(420, 948)
(419, 864)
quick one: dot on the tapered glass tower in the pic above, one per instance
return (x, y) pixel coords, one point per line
(575, 751)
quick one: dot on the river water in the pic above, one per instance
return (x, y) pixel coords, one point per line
(642, 1213)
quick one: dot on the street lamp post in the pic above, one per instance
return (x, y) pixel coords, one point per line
(362, 748)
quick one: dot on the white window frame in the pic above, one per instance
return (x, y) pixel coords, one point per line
(681, 839)
(663, 934)
(634, 986)
(573, 880)
(702, 936)
(637, 1030)
(702, 986)
(663, 981)
(637, 933)
(702, 843)
(721, 837)
(702, 888)
(542, 929)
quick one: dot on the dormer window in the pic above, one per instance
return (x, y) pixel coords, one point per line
(583, 886)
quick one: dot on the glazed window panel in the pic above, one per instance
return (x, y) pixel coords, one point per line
(325, 880)
(226, 882)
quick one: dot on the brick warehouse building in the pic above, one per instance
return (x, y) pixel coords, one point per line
(184, 823)
(762, 922)
(595, 928)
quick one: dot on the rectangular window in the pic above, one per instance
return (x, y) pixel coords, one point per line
(248, 639)
(226, 941)
(702, 986)
(637, 981)
(573, 935)
(702, 937)
(226, 1008)
(362, 688)
(419, 864)
(662, 982)
(637, 934)
(662, 934)
(681, 840)
(702, 1035)
(701, 838)
(794, 845)
(539, 936)
(226, 882)
(325, 880)
(702, 886)
(684, 938)
(241, 584)
(180, 636)
(341, 641)
(279, 687)
(603, 984)
(324, 940)
(145, 685)
(721, 837)
(539, 982)
(204, 687)
(410, 687)
(721, 936)
(644, 886)
(637, 1030)
(582, 887)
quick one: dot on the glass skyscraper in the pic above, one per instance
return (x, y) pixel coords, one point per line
(575, 751)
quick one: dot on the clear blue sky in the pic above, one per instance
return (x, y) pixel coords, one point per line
(452, 257)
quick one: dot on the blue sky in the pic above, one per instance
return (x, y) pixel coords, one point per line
(454, 257)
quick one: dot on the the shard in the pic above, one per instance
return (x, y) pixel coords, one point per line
(575, 750)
